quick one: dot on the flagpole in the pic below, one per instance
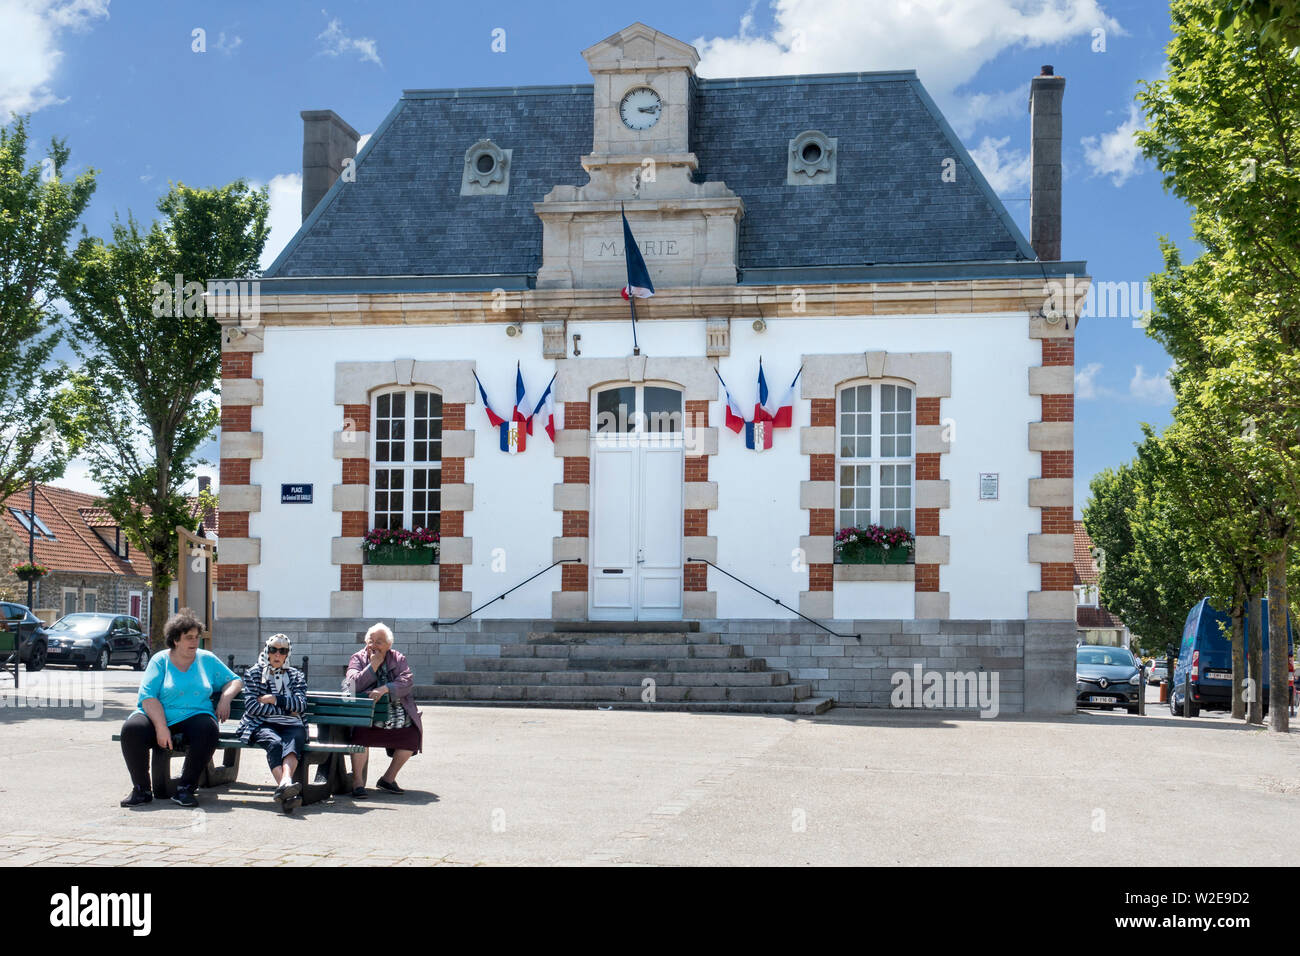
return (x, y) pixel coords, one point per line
(631, 300)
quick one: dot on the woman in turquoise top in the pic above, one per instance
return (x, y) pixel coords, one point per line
(176, 698)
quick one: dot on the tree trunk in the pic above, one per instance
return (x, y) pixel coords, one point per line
(1278, 692)
(1255, 664)
(158, 607)
(1238, 651)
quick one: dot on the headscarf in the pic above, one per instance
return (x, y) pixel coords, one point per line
(274, 676)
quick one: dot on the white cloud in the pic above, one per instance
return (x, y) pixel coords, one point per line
(1115, 154)
(1085, 381)
(336, 42)
(361, 143)
(1007, 170)
(30, 31)
(77, 477)
(285, 194)
(1152, 388)
(945, 41)
(228, 45)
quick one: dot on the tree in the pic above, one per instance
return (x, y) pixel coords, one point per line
(38, 211)
(144, 400)
(1276, 21)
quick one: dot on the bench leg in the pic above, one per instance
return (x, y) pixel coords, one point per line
(162, 774)
(228, 772)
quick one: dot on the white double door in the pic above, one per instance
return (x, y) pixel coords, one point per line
(636, 528)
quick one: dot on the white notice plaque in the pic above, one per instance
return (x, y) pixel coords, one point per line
(988, 487)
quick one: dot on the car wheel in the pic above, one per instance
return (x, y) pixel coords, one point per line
(36, 659)
(1195, 709)
(142, 660)
(1174, 709)
(101, 662)
(1132, 709)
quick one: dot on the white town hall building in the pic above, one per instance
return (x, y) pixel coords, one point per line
(831, 225)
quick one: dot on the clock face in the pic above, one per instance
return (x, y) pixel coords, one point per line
(640, 108)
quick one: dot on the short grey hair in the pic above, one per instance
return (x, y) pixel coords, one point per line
(381, 628)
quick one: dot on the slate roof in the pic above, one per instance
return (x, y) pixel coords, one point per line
(404, 215)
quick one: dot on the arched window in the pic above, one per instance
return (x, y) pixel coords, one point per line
(406, 459)
(876, 446)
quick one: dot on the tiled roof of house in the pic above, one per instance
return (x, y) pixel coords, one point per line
(403, 214)
(1085, 566)
(71, 517)
(1096, 617)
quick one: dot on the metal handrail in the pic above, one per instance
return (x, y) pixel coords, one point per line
(502, 596)
(776, 601)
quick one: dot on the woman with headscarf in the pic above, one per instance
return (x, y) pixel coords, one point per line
(377, 670)
(275, 698)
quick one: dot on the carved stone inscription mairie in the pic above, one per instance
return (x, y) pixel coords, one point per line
(602, 245)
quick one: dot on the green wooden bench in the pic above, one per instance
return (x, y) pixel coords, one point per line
(332, 714)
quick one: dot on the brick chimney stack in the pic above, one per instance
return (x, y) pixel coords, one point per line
(1045, 94)
(327, 142)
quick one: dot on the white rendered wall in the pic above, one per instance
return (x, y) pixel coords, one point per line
(875, 600)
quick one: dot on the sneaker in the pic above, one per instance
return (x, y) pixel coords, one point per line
(359, 793)
(137, 796)
(390, 787)
(288, 791)
(184, 796)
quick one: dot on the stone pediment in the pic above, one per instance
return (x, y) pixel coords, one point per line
(638, 46)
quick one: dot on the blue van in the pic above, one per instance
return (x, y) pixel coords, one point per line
(1205, 659)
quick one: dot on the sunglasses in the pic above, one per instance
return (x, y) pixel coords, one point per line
(277, 650)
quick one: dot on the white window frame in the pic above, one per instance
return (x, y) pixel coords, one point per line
(407, 465)
(875, 460)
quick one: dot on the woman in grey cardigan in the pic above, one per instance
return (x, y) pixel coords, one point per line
(275, 699)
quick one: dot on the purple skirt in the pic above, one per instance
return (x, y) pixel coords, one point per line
(405, 738)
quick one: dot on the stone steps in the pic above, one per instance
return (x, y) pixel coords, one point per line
(630, 678)
(737, 665)
(809, 707)
(608, 640)
(602, 693)
(615, 651)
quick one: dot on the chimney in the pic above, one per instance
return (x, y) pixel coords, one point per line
(1045, 94)
(326, 142)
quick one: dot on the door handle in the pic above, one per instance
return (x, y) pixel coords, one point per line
(640, 556)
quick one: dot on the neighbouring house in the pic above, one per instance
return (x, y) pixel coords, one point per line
(1095, 624)
(92, 567)
(830, 227)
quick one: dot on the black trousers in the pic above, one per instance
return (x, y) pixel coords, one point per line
(139, 738)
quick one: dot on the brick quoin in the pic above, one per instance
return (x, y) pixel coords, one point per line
(927, 411)
(232, 577)
(577, 471)
(697, 414)
(236, 364)
(451, 524)
(1056, 577)
(577, 415)
(695, 523)
(1058, 464)
(821, 467)
(450, 577)
(696, 577)
(358, 415)
(1058, 408)
(574, 524)
(350, 578)
(821, 521)
(356, 471)
(927, 521)
(237, 418)
(235, 471)
(234, 524)
(927, 577)
(453, 416)
(355, 524)
(821, 577)
(573, 577)
(823, 413)
(453, 471)
(1058, 351)
(1057, 520)
(697, 468)
(927, 466)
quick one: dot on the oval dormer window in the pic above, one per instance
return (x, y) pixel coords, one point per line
(811, 159)
(487, 170)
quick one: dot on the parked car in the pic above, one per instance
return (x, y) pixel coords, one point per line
(1204, 664)
(1106, 677)
(97, 640)
(34, 639)
(1158, 671)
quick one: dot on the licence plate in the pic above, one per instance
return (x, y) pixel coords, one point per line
(1219, 675)
(1105, 700)
(54, 651)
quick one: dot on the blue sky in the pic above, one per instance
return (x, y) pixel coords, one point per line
(124, 85)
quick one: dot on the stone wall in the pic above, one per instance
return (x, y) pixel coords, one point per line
(1034, 660)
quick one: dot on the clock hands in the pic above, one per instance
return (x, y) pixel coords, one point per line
(648, 109)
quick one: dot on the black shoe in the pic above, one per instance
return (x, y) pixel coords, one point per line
(383, 784)
(359, 793)
(288, 791)
(184, 796)
(137, 796)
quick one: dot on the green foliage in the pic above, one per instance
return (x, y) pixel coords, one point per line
(1276, 21)
(38, 211)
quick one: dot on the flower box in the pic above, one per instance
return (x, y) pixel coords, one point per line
(873, 545)
(875, 554)
(399, 554)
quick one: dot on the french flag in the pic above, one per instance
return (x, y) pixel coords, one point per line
(783, 415)
(546, 409)
(638, 276)
(735, 417)
(514, 431)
